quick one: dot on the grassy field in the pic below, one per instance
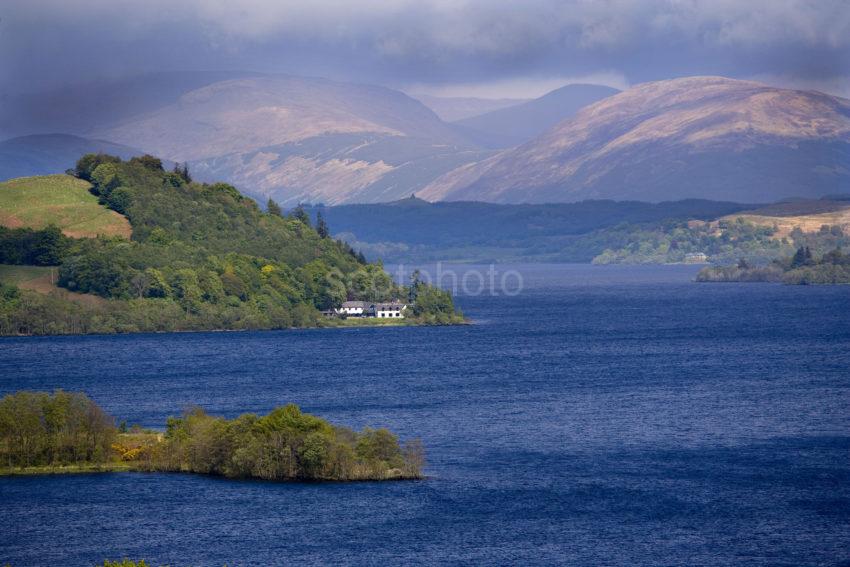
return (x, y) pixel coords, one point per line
(22, 275)
(805, 222)
(42, 279)
(61, 200)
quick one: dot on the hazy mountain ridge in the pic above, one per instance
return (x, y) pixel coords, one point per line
(81, 108)
(239, 115)
(515, 125)
(700, 137)
(290, 138)
(303, 139)
(41, 154)
(454, 108)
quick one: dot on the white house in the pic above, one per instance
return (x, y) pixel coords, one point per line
(355, 309)
(394, 309)
(696, 258)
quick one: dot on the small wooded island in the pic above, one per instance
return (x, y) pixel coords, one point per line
(127, 246)
(800, 269)
(42, 433)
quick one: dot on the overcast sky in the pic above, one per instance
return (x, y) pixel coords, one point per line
(474, 47)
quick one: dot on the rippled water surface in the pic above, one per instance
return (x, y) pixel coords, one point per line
(604, 416)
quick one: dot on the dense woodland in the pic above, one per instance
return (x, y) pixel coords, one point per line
(43, 430)
(25, 246)
(802, 268)
(202, 256)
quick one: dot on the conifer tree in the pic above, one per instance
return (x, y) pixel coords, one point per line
(413, 290)
(322, 226)
(799, 258)
(298, 213)
(184, 173)
(273, 208)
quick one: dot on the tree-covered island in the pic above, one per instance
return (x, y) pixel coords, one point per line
(803, 268)
(67, 432)
(200, 257)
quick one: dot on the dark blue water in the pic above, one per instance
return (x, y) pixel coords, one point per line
(604, 416)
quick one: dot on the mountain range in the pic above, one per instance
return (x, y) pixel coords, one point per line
(298, 139)
(698, 137)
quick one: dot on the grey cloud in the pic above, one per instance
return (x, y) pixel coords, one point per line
(437, 42)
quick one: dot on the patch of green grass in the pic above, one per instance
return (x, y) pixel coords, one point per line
(15, 275)
(61, 200)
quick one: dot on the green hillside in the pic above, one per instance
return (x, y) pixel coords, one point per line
(201, 256)
(59, 200)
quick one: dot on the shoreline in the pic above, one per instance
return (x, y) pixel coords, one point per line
(127, 467)
(358, 325)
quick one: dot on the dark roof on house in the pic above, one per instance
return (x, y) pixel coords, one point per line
(370, 305)
(391, 305)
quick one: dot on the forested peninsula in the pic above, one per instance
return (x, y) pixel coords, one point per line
(65, 432)
(199, 256)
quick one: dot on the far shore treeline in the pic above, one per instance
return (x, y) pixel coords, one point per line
(68, 432)
(413, 231)
(201, 257)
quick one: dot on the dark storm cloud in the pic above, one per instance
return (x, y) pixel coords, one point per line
(438, 42)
